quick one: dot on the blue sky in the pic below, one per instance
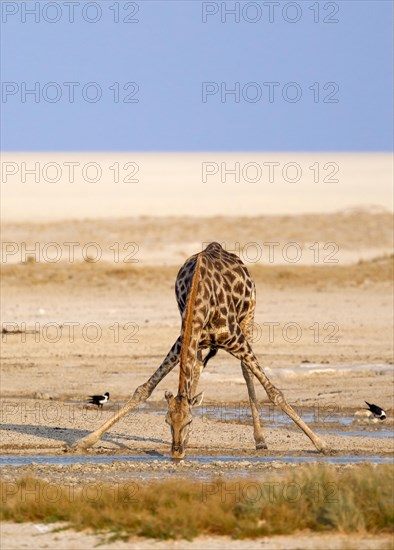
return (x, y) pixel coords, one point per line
(333, 80)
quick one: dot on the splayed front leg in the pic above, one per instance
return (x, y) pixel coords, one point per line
(278, 399)
(245, 353)
(140, 395)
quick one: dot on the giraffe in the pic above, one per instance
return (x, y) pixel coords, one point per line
(216, 298)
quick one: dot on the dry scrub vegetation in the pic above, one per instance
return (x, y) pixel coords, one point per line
(104, 274)
(350, 229)
(314, 497)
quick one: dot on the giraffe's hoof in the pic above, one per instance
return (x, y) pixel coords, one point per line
(84, 443)
(75, 448)
(322, 447)
(261, 445)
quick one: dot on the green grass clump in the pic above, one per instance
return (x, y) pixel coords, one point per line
(314, 497)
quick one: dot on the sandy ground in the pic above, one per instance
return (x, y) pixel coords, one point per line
(331, 349)
(42, 426)
(15, 537)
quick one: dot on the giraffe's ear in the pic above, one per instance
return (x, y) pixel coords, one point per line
(197, 399)
(168, 395)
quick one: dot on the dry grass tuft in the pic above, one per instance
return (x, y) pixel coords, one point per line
(314, 497)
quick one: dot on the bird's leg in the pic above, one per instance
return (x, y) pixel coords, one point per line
(140, 395)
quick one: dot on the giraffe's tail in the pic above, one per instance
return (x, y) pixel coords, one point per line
(212, 352)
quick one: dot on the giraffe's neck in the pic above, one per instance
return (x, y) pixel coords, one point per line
(191, 327)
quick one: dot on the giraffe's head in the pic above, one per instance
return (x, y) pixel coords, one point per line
(179, 417)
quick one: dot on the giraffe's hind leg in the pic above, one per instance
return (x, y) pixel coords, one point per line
(198, 368)
(257, 430)
(246, 326)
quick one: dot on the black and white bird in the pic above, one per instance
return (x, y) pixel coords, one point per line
(99, 400)
(376, 411)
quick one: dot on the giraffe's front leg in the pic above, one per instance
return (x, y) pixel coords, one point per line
(140, 395)
(257, 431)
(197, 370)
(277, 397)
